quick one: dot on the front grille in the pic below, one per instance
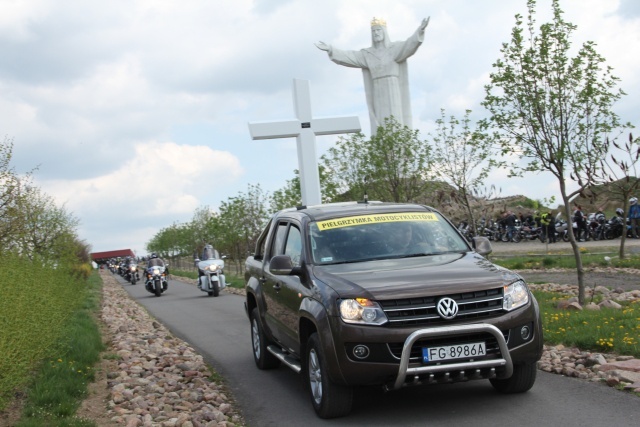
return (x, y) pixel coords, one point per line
(422, 311)
(492, 347)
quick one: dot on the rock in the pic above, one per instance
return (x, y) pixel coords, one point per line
(592, 306)
(595, 359)
(629, 376)
(612, 381)
(610, 304)
(626, 365)
(574, 306)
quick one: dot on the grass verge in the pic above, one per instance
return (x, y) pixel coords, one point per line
(604, 331)
(565, 260)
(60, 383)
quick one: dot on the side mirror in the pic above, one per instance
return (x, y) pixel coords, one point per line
(281, 265)
(482, 245)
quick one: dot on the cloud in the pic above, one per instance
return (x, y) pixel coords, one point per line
(136, 111)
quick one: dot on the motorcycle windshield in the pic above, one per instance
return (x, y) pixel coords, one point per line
(210, 253)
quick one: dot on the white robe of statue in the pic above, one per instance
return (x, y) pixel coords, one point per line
(384, 67)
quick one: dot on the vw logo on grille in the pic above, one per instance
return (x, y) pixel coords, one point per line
(447, 308)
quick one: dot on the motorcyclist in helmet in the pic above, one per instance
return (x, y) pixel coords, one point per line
(207, 253)
(634, 217)
(156, 261)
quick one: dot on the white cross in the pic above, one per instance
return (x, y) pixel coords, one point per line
(305, 128)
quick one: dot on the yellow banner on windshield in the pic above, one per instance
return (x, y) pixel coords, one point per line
(373, 219)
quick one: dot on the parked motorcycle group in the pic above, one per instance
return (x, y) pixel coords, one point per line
(598, 227)
(210, 266)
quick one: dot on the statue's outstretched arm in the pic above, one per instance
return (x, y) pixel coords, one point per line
(423, 24)
(323, 46)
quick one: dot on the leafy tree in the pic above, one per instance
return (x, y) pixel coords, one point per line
(47, 228)
(11, 196)
(553, 111)
(394, 165)
(240, 222)
(290, 195)
(201, 230)
(461, 160)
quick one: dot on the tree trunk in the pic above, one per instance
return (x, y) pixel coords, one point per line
(574, 245)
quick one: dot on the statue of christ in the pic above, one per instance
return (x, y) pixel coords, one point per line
(384, 68)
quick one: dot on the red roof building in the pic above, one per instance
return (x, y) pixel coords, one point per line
(103, 256)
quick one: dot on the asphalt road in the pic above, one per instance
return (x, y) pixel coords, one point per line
(218, 329)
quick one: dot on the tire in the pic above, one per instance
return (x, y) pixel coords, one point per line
(517, 237)
(216, 288)
(263, 358)
(157, 288)
(523, 378)
(133, 280)
(565, 236)
(609, 234)
(329, 400)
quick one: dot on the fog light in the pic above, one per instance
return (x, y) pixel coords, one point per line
(525, 333)
(361, 351)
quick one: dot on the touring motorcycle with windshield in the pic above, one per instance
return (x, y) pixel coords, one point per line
(210, 271)
(156, 277)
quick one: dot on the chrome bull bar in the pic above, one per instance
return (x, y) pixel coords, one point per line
(404, 370)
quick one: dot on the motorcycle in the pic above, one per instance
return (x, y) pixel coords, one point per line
(156, 279)
(615, 227)
(211, 272)
(131, 275)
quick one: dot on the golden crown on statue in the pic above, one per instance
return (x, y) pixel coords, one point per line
(378, 22)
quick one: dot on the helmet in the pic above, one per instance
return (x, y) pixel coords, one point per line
(154, 255)
(620, 212)
(633, 200)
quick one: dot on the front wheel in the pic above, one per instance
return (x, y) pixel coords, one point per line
(523, 378)
(263, 358)
(329, 400)
(157, 287)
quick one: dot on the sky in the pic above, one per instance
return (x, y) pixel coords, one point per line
(135, 112)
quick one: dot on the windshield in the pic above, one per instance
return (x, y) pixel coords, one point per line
(209, 253)
(383, 236)
(155, 262)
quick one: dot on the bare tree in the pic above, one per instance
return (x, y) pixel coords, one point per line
(619, 174)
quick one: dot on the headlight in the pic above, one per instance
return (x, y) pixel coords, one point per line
(214, 267)
(362, 311)
(156, 271)
(515, 295)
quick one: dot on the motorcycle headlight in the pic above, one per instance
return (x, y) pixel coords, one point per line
(515, 295)
(156, 271)
(214, 267)
(362, 311)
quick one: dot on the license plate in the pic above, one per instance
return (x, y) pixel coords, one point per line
(451, 352)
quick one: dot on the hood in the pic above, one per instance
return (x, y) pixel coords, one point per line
(413, 277)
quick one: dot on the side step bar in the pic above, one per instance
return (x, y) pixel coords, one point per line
(285, 358)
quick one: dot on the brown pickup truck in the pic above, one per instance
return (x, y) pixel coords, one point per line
(382, 294)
